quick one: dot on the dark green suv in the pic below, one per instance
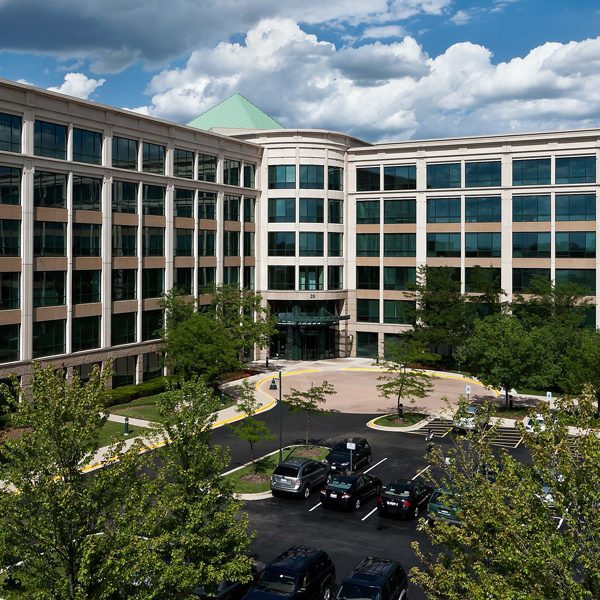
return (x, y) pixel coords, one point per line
(444, 505)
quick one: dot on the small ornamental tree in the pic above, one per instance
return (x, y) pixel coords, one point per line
(398, 380)
(249, 429)
(310, 402)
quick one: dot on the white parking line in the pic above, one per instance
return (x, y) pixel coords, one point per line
(421, 472)
(375, 465)
(367, 516)
(315, 506)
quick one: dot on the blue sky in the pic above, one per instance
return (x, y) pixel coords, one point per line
(377, 69)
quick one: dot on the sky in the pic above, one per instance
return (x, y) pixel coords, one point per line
(380, 70)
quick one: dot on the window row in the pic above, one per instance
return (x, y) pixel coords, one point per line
(310, 210)
(310, 177)
(525, 172)
(401, 312)
(283, 243)
(309, 278)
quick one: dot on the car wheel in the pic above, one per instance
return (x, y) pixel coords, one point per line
(328, 478)
(357, 504)
(306, 491)
(326, 593)
(369, 458)
(416, 512)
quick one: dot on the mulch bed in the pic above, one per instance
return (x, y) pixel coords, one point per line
(13, 433)
(308, 452)
(255, 477)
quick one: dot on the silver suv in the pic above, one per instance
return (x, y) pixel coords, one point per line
(299, 476)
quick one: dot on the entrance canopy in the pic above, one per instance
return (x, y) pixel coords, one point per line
(301, 319)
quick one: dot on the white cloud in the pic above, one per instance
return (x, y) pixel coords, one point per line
(382, 32)
(460, 17)
(78, 84)
(384, 91)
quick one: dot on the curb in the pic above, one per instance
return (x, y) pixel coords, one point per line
(372, 425)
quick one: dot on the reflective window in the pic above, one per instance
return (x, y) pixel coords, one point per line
(10, 133)
(310, 278)
(124, 284)
(9, 290)
(367, 344)
(281, 278)
(367, 278)
(86, 239)
(249, 210)
(310, 243)
(152, 323)
(367, 212)
(335, 278)
(576, 244)
(475, 278)
(443, 210)
(583, 277)
(9, 343)
(534, 244)
(399, 311)
(153, 158)
(50, 139)
(85, 333)
(87, 146)
(50, 189)
(183, 163)
(206, 242)
(334, 211)
(400, 211)
(576, 169)
(443, 244)
(231, 208)
(249, 283)
(282, 177)
(311, 210)
(398, 278)
(531, 208)
(153, 200)
(124, 196)
(282, 243)
(368, 179)
(184, 242)
(153, 283)
(231, 243)
(123, 328)
(124, 153)
(282, 210)
(249, 175)
(153, 241)
(49, 238)
(367, 310)
(311, 177)
(400, 178)
(482, 174)
(183, 279)
(575, 207)
(49, 288)
(482, 244)
(87, 193)
(531, 172)
(231, 276)
(249, 243)
(10, 185)
(443, 176)
(335, 178)
(367, 244)
(86, 286)
(124, 240)
(483, 210)
(48, 338)
(231, 172)
(207, 202)
(207, 167)
(124, 371)
(183, 203)
(334, 244)
(206, 278)
(399, 244)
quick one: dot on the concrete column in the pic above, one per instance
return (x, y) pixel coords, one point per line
(169, 235)
(138, 333)
(26, 261)
(106, 277)
(69, 261)
(219, 246)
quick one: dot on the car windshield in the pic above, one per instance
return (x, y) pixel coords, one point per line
(341, 483)
(340, 448)
(399, 490)
(286, 471)
(353, 591)
(444, 498)
(277, 583)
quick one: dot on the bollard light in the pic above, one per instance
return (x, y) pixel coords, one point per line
(126, 426)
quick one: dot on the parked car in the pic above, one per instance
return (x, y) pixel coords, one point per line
(300, 573)
(227, 590)
(375, 579)
(444, 505)
(404, 498)
(299, 476)
(470, 418)
(342, 459)
(535, 423)
(350, 491)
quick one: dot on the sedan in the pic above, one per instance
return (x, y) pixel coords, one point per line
(535, 424)
(404, 498)
(350, 491)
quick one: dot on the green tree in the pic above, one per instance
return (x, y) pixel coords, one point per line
(398, 380)
(198, 535)
(510, 543)
(178, 308)
(61, 520)
(249, 429)
(310, 402)
(500, 352)
(486, 298)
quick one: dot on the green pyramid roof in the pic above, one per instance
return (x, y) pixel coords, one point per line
(235, 113)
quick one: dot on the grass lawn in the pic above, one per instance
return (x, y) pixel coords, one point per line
(512, 413)
(410, 418)
(266, 465)
(113, 430)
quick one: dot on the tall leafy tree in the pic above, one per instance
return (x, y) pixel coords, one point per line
(311, 402)
(61, 520)
(399, 380)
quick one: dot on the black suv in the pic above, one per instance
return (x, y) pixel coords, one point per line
(301, 572)
(375, 579)
(342, 459)
(299, 476)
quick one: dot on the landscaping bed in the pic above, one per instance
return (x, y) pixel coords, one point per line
(410, 418)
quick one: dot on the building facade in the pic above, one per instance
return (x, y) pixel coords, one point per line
(103, 210)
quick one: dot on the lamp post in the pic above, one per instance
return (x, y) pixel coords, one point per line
(273, 386)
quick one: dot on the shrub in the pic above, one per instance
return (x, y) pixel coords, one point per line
(126, 393)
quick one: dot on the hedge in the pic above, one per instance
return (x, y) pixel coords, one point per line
(126, 393)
